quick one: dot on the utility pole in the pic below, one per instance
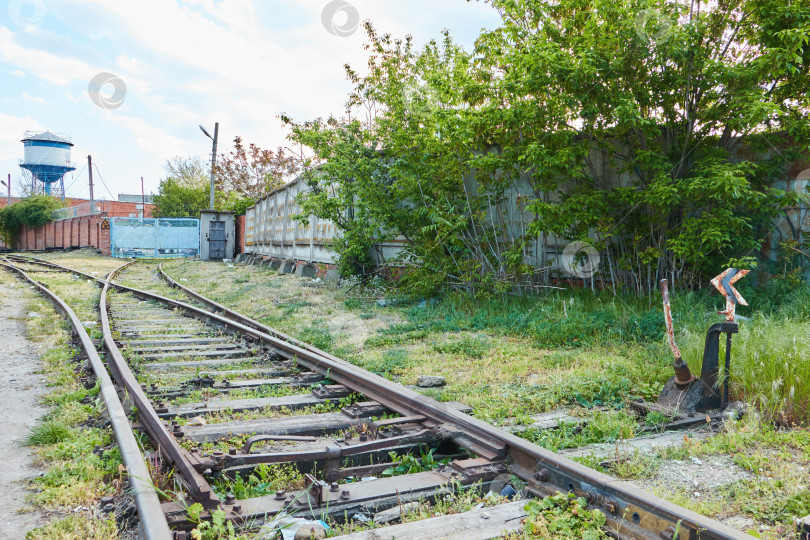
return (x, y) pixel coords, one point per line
(90, 171)
(9, 189)
(213, 159)
(214, 163)
(143, 201)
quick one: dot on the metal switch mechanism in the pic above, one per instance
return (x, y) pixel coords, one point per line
(685, 394)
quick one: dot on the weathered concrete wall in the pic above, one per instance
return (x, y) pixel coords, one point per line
(271, 230)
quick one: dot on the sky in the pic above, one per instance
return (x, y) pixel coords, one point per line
(131, 81)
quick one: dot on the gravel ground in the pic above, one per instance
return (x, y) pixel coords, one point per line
(20, 388)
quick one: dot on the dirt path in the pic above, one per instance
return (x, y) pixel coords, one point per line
(20, 388)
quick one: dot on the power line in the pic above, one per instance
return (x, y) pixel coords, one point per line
(75, 177)
(103, 182)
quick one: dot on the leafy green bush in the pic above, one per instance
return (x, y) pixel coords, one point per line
(470, 164)
(33, 211)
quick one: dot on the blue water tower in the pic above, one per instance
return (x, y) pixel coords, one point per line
(47, 159)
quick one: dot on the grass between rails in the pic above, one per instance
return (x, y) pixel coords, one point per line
(510, 358)
(66, 439)
(84, 260)
(507, 355)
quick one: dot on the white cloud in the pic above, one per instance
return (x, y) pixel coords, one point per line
(11, 147)
(28, 97)
(186, 62)
(57, 70)
(151, 138)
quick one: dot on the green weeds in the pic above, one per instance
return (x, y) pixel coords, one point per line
(217, 529)
(318, 335)
(81, 463)
(605, 427)
(48, 433)
(471, 347)
(77, 528)
(408, 464)
(264, 480)
(563, 516)
(390, 363)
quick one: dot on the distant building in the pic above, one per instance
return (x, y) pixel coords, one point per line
(126, 197)
(81, 207)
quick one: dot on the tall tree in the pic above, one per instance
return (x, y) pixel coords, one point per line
(252, 171)
(697, 106)
(184, 190)
(655, 129)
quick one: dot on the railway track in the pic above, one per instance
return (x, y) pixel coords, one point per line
(221, 395)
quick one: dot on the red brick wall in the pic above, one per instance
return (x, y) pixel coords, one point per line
(104, 240)
(70, 233)
(240, 234)
(49, 240)
(75, 232)
(84, 237)
(39, 234)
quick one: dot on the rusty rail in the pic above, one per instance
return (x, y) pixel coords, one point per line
(630, 512)
(200, 489)
(152, 523)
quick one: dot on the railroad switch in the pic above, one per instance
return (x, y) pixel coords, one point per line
(684, 395)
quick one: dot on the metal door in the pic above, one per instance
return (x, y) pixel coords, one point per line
(216, 240)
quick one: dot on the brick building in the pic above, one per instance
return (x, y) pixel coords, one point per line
(76, 226)
(120, 208)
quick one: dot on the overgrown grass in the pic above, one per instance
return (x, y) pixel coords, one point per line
(81, 462)
(523, 355)
(567, 320)
(264, 480)
(318, 335)
(770, 355)
(777, 461)
(77, 528)
(48, 433)
(605, 427)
